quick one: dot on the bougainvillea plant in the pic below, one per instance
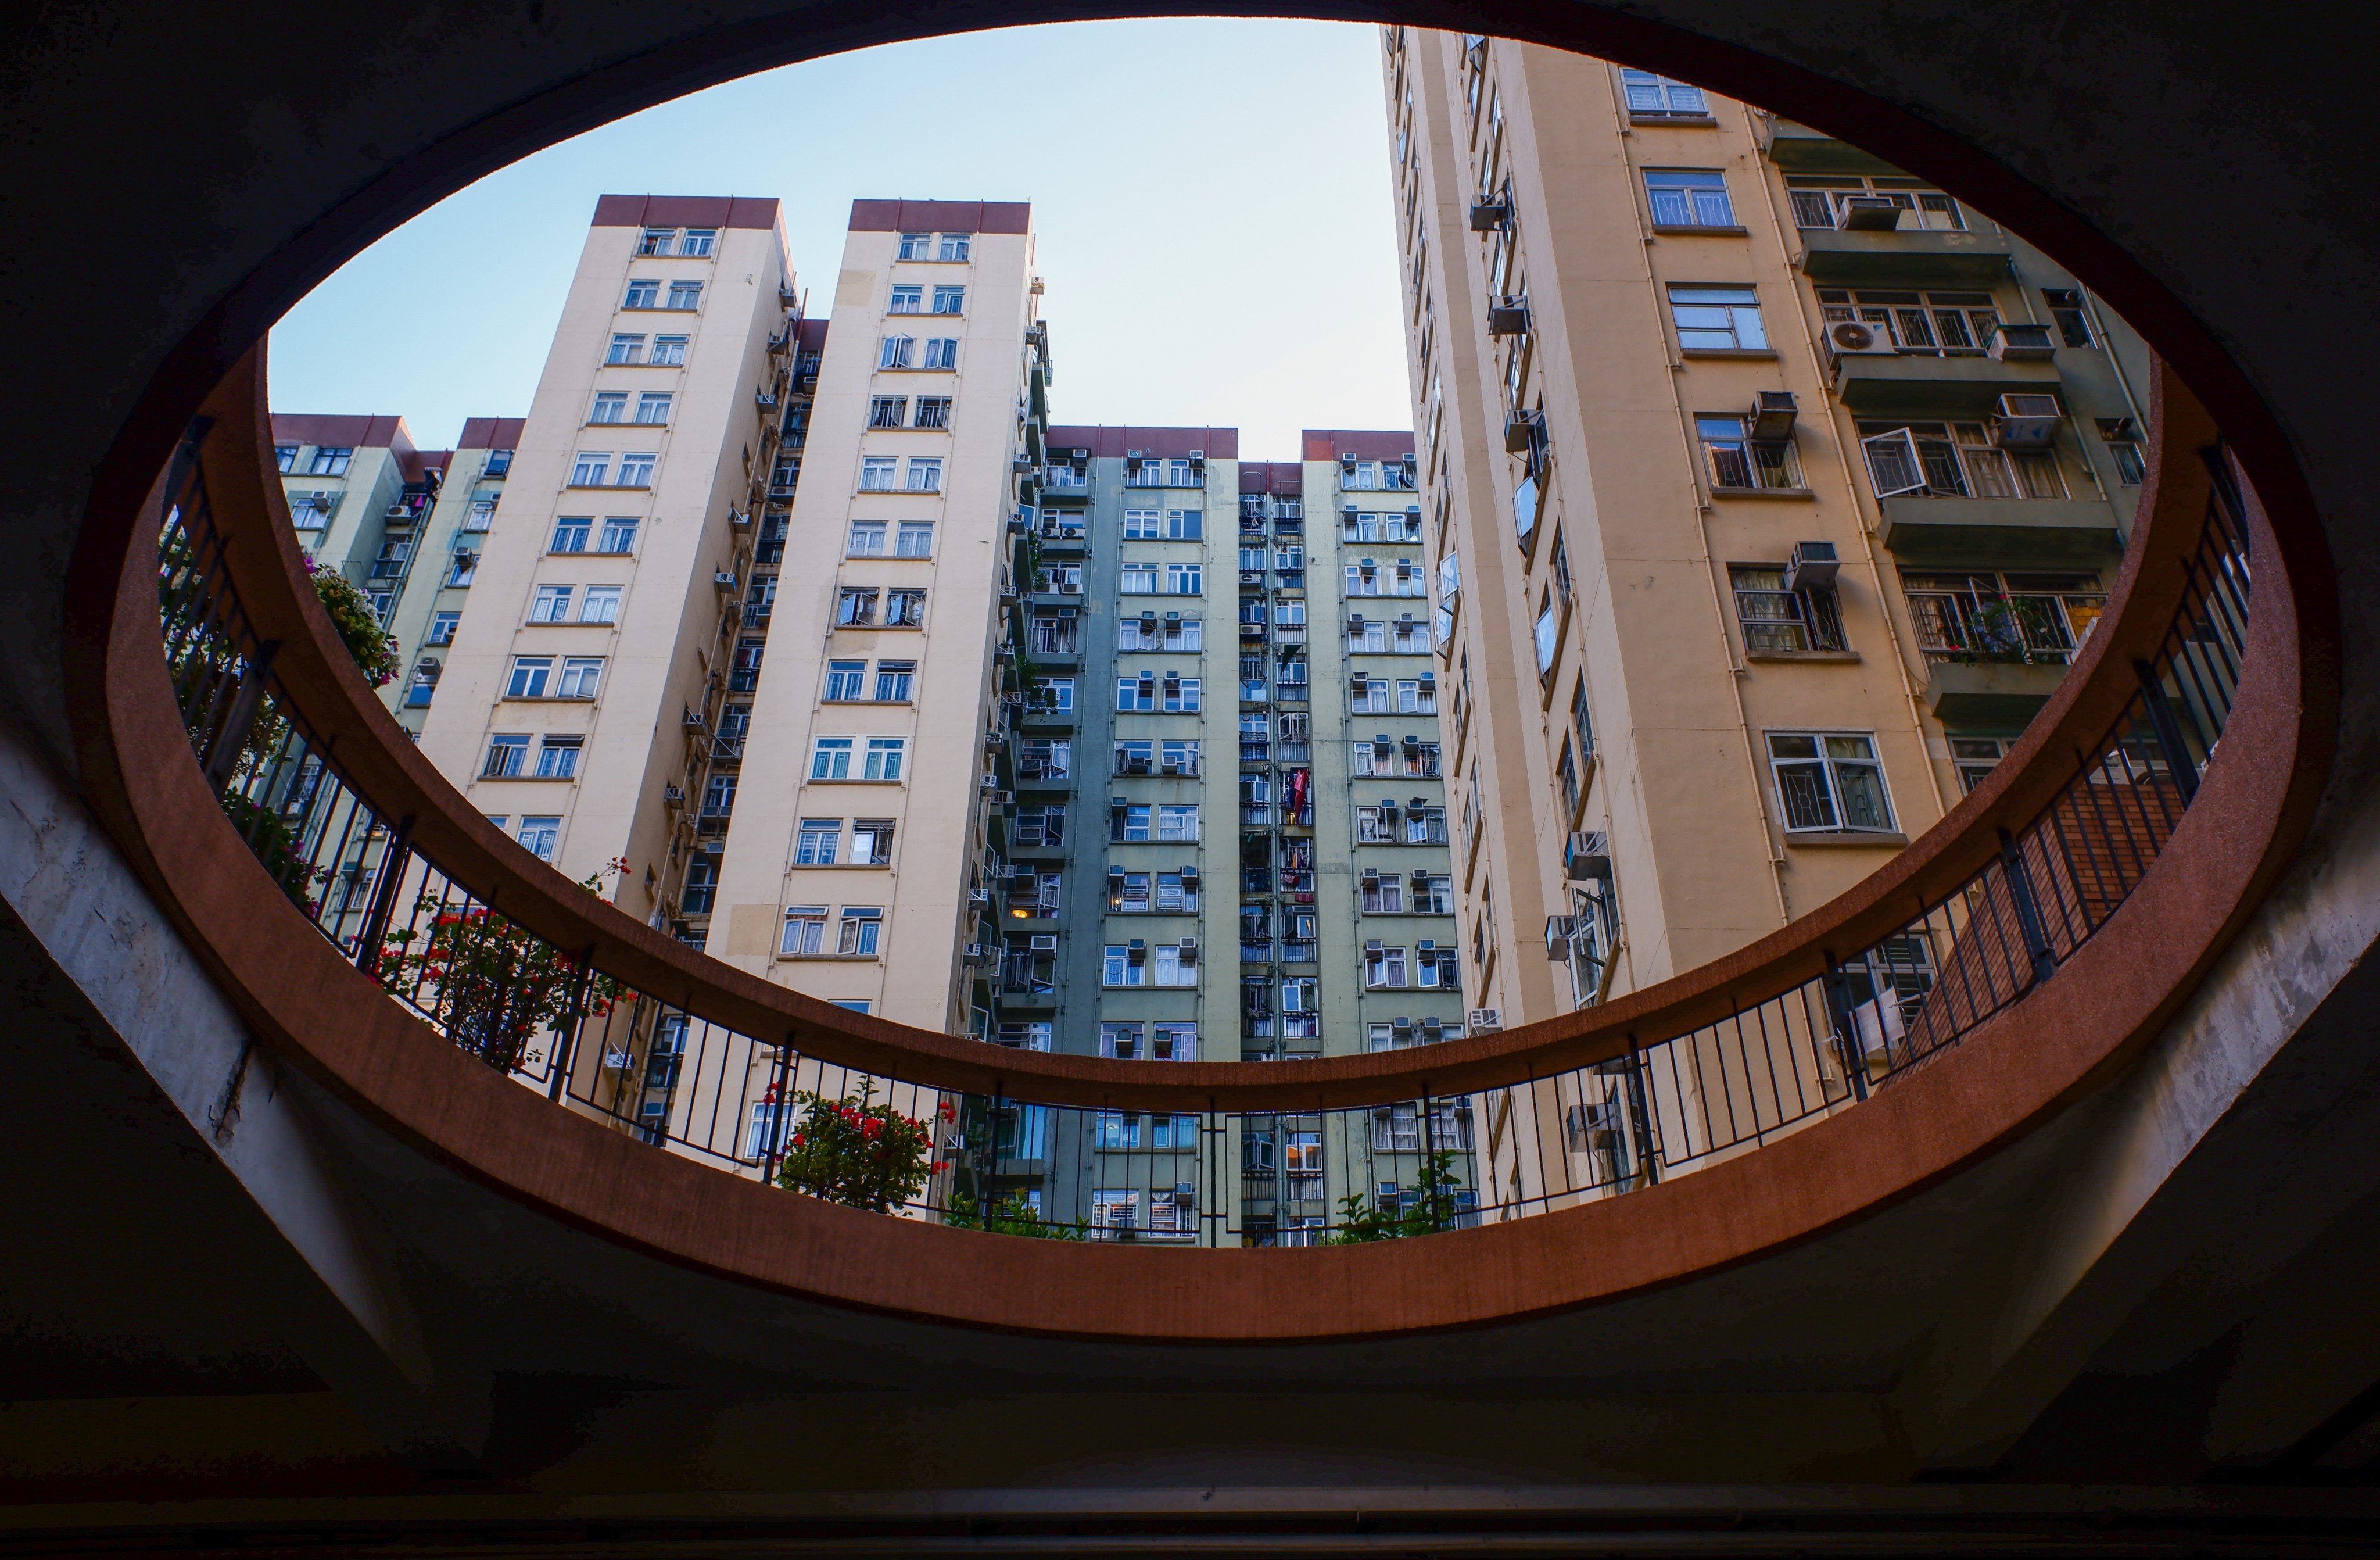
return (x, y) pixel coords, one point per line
(373, 648)
(493, 986)
(859, 1153)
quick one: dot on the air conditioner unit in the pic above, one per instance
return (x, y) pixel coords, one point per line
(1002, 798)
(1587, 858)
(763, 399)
(1489, 213)
(1771, 417)
(738, 518)
(1856, 338)
(1559, 930)
(1812, 566)
(723, 581)
(1508, 316)
(1485, 1020)
(1197, 458)
(2026, 422)
(979, 953)
(1022, 465)
(1045, 942)
(1431, 1029)
(2014, 342)
(1869, 214)
(1066, 612)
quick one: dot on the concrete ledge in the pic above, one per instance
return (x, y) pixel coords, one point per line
(2021, 531)
(1999, 697)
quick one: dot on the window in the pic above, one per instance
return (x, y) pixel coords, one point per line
(876, 473)
(580, 676)
(2073, 320)
(653, 406)
(1830, 782)
(888, 411)
(866, 538)
(898, 353)
(466, 566)
(949, 300)
(593, 469)
(551, 605)
(941, 352)
(907, 299)
(1955, 460)
(719, 797)
(637, 470)
(805, 934)
(541, 835)
(669, 351)
(697, 241)
(954, 246)
(905, 609)
(2122, 437)
(530, 674)
(1979, 615)
(1032, 1034)
(831, 758)
(1175, 1042)
(892, 680)
(743, 671)
(443, 626)
(1174, 964)
(1417, 696)
(1137, 579)
(854, 607)
(1041, 823)
(917, 246)
(1689, 198)
(1383, 896)
(1181, 694)
(1780, 622)
(656, 241)
(619, 534)
(1425, 825)
(1384, 969)
(1183, 580)
(1121, 1042)
(1141, 525)
(1658, 97)
(1975, 757)
(924, 473)
(601, 605)
(480, 515)
(916, 540)
(933, 411)
(1821, 201)
(625, 349)
(1177, 892)
(684, 294)
(871, 841)
(284, 459)
(1055, 695)
(884, 756)
(644, 293)
(1184, 525)
(611, 406)
(843, 679)
(1717, 319)
(1934, 324)
(557, 758)
(1735, 462)
(1123, 965)
(819, 843)
(1129, 824)
(506, 753)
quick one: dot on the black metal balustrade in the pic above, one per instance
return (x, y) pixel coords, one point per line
(546, 1016)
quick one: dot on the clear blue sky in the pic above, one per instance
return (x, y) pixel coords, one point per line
(1212, 200)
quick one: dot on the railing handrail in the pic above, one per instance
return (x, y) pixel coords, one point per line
(265, 568)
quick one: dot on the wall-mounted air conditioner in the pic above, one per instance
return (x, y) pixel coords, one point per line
(1857, 338)
(1508, 316)
(1771, 417)
(2026, 420)
(1868, 213)
(1587, 858)
(2016, 342)
(1485, 1020)
(1812, 566)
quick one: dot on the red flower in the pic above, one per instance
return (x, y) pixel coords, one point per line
(949, 1110)
(939, 1166)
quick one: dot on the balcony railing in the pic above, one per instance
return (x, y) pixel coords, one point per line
(383, 864)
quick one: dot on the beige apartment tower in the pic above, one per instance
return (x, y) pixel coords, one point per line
(596, 609)
(1767, 492)
(857, 854)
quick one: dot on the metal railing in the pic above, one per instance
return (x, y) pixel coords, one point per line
(651, 1065)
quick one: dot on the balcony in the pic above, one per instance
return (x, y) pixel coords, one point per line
(1923, 385)
(1989, 695)
(1915, 258)
(2017, 532)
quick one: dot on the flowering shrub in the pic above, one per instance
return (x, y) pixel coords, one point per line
(351, 613)
(274, 840)
(860, 1154)
(492, 985)
(1424, 1207)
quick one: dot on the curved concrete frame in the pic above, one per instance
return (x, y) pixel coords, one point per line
(2007, 1076)
(529, 89)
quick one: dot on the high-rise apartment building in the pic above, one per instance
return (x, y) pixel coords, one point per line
(437, 538)
(1767, 492)
(856, 863)
(598, 612)
(1229, 839)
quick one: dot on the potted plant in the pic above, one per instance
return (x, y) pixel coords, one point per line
(1424, 1207)
(861, 1153)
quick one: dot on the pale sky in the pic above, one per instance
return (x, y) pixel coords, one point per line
(1212, 201)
